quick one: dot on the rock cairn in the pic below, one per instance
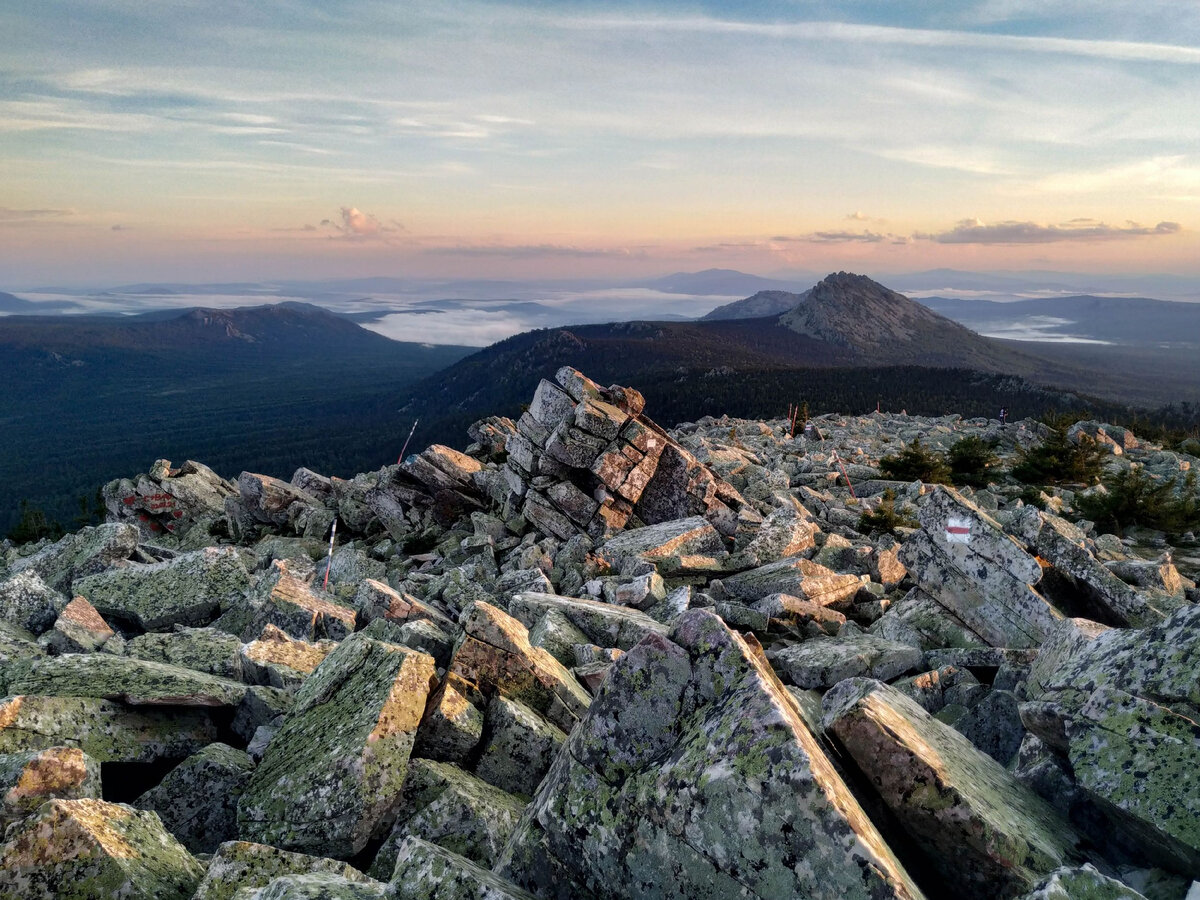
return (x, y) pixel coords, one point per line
(593, 658)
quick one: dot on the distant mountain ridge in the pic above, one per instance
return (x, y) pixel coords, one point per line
(757, 306)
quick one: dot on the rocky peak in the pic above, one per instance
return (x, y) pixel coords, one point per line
(760, 305)
(854, 311)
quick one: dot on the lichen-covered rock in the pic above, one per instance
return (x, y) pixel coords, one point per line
(104, 730)
(693, 774)
(796, 576)
(452, 725)
(986, 834)
(921, 621)
(279, 661)
(330, 779)
(1123, 706)
(315, 886)
(453, 809)
(197, 800)
(1084, 883)
(1064, 547)
(603, 623)
(519, 749)
(79, 628)
(90, 848)
(494, 652)
(85, 552)
(963, 559)
(272, 501)
(29, 603)
(207, 650)
(375, 600)
(821, 663)
(283, 600)
(29, 779)
(191, 589)
(416, 634)
(786, 610)
(170, 505)
(133, 681)
(425, 871)
(994, 726)
(680, 537)
(242, 865)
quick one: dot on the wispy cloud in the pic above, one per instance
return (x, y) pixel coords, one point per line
(24, 215)
(974, 231)
(835, 237)
(914, 37)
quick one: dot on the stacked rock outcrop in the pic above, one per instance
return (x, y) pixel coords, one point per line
(592, 658)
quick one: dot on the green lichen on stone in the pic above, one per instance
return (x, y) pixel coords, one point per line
(239, 865)
(200, 649)
(191, 589)
(197, 800)
(331, 777)
(104, 730)
(694, 775)
(83, 849)
(315, 886)
(425, 871)
(453, 809)
(133, 681)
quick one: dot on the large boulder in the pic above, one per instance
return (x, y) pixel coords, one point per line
(191, 589)
(1065, 547)
(132, 681)
(693, 774)
(986, 834)
(29, 603)
(197, 800)
(821, 663)
(963, 559)
(244, 866)
(425, 871)
(1123, 707)
(797, 577)
(104, 730)
(330, 779)
(603, 623)
(494, 652)
(30, 778)
(169, 505)
(453, 809)
(90, 848)
(85, 552)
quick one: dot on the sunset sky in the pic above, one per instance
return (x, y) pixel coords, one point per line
(186, 140)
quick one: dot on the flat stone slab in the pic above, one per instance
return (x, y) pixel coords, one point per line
(820, 663)
(604, 624)
(106, 731)
(985, 833)
(242, 865)
(133, 681)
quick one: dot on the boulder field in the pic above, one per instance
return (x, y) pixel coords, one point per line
(596, 659)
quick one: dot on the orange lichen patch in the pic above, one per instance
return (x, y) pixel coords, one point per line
(290, 589)
(405, 704)
(10, 711)
(82, 613)
(275, 646)
(64, 830)
(51, 771)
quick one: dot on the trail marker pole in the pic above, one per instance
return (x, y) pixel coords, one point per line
(411, 432)
(329, 560)
(838, 460)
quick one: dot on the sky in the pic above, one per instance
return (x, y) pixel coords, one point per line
(226, 141)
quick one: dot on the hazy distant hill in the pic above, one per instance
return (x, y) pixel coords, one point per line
(716, 282)
(89, 399)
(757, 306)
